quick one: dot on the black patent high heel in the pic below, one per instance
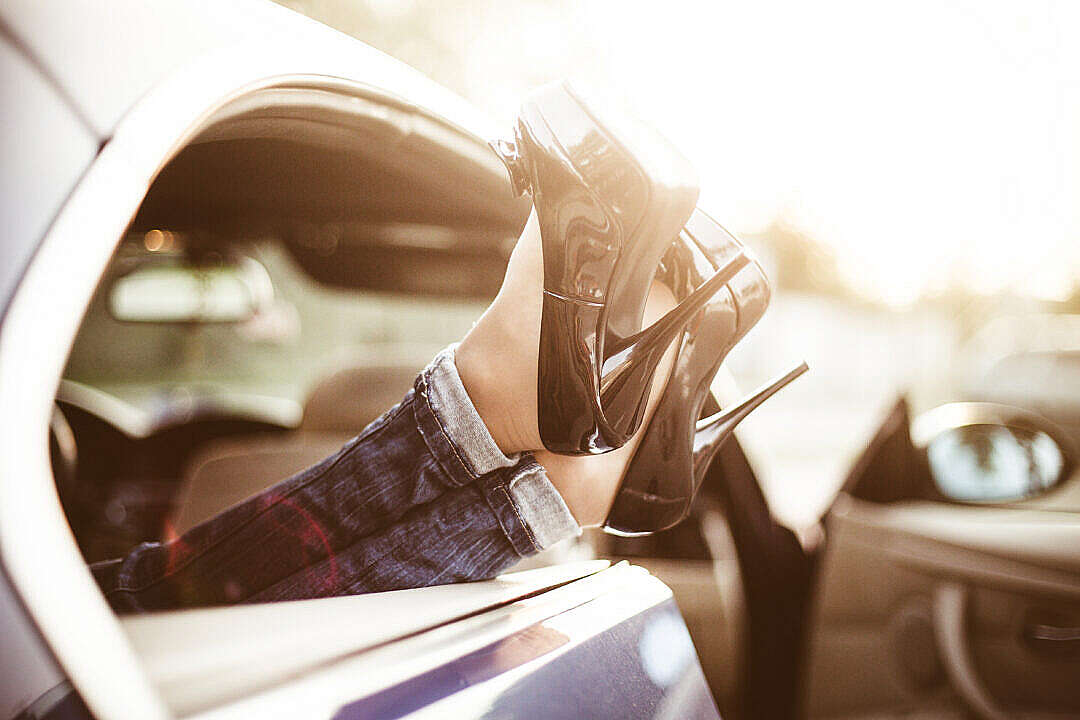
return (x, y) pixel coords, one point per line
(608, 197)
(668, 466)
(711, 432)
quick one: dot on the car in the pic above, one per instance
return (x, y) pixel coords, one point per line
(149, 147)
(232, 237)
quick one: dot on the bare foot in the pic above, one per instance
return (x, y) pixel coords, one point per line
(497, 361)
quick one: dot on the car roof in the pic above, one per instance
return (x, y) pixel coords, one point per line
(106, 56)
(72, 70)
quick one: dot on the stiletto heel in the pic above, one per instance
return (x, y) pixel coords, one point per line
(711, 432)
(667, 468)
(634, 359)
(608, 196)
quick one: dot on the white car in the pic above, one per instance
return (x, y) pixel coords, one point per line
(113, 117)
(230, 237)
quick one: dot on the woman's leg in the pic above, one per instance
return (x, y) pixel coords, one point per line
(497, 362)
(478, 530)
(472, 532)
(431, 442)
(435, 490)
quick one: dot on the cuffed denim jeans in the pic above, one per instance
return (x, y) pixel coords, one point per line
(422, 496)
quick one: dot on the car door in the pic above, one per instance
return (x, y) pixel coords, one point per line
(576, 640)
(926, 606)
(563, 642)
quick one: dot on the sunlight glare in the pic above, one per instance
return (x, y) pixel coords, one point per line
(926, 144)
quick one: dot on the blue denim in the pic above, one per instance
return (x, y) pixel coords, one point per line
(422, 496)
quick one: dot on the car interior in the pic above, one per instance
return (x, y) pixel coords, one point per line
(284, 280)
(297, 262)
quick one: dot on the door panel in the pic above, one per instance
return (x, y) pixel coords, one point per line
(709, 594)
(925, 607)
(560, 642)
(865, 601)
(942, 608)
(1013, 657)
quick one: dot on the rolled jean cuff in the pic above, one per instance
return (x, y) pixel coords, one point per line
(450, 425)
(530, 511)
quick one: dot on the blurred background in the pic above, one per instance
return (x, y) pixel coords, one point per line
(908, 172)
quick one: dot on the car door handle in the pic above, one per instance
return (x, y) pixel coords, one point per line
(1053, 639)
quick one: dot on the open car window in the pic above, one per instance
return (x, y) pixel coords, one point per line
(232, 334)
(173, 416)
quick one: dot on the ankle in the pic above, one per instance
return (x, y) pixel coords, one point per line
(495, 392)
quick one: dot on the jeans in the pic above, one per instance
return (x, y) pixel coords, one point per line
(422, 496)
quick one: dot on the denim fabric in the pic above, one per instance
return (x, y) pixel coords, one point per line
(457, 423)
(458, 419)
(422, 496)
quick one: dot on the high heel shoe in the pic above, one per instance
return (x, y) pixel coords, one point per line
(608, 195)
(677, 448)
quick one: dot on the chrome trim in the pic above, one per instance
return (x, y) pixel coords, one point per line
(206, 658)
(622, 591)
(36, 544)
(932, 423)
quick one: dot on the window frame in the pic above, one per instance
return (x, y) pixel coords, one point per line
(37, 548)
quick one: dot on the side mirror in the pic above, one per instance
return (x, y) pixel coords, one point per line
(180, 292)
(984, 452)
